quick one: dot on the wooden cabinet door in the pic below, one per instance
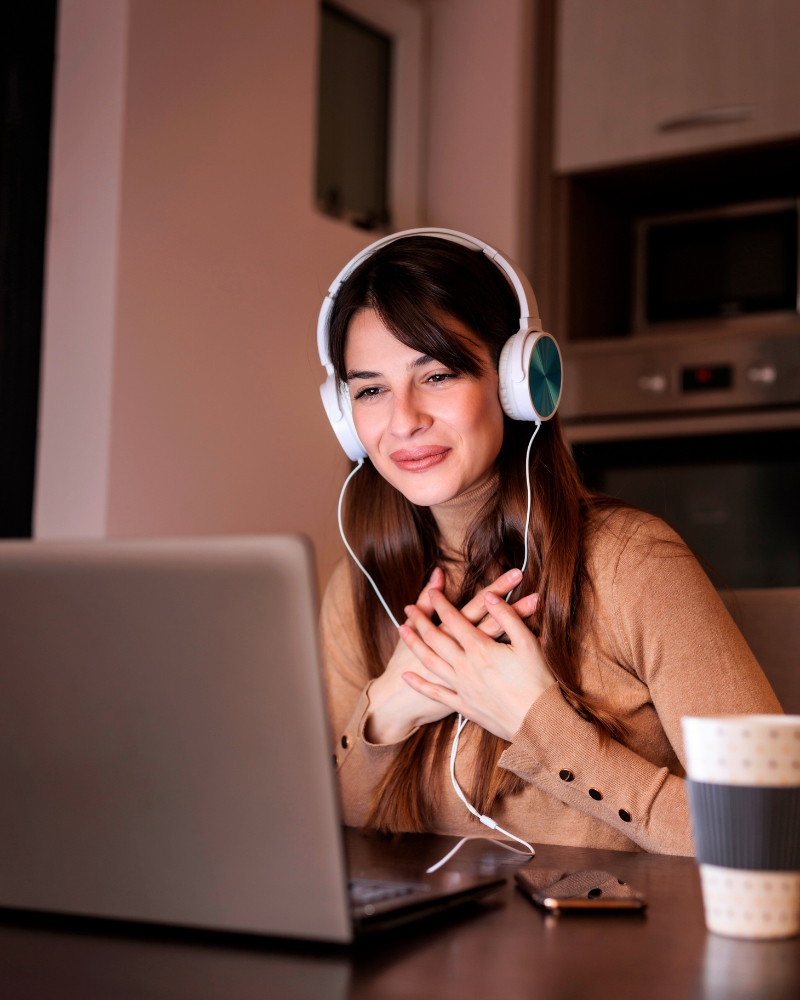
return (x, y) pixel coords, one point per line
(643, 79)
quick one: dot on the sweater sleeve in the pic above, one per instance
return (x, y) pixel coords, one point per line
(360, 765)
(669, 628)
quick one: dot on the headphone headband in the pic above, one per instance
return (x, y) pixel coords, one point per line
(529, 310)
(529, 370)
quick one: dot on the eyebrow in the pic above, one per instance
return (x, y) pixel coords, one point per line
(419, 362)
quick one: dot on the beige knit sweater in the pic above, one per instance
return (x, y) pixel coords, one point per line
(659, 644)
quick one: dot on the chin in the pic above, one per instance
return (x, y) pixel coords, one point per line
(424, 489)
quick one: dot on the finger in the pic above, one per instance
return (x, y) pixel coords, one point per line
(426, 656)
(463, 631)
(508, 619)
(436, 692)
(439, 641)
(436, 582)
(490, 627)
(475, 609)
(525, 606)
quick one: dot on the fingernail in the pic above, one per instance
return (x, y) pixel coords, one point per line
(492, 599)
(404, 630)
(514, 574)
(408, 609)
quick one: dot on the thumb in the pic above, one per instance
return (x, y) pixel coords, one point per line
(436, 582)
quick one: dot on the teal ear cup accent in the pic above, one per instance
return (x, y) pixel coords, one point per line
(544, 376)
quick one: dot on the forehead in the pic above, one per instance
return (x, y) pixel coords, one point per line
(368, 336)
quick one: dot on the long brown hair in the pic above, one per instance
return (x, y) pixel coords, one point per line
(415, 284)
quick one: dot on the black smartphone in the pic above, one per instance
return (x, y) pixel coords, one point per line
(559, 891)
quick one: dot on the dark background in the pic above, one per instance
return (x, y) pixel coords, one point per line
(27, 50)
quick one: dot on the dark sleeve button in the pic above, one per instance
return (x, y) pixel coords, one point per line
(595, 794)
(566, 775)
(345, 742)
(624, 815)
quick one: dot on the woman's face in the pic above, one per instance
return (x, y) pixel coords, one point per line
(431, 433)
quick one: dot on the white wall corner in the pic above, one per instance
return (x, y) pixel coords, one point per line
(71, 498)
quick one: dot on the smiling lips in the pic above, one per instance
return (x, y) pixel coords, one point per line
(420, 459)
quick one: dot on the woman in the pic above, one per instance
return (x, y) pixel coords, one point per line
(575, 688)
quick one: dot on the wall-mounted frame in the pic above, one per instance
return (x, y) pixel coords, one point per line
(403, 22)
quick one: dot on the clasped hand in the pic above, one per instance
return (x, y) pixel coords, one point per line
(491, 683)
(459, 666)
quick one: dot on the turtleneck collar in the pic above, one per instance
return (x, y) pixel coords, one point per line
(454, 516)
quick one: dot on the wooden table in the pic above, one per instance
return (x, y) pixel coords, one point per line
(504, 948)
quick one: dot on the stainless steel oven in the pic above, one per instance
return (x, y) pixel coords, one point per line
(705, 432)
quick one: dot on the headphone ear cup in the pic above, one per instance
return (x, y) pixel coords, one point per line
(545, 375)
(506, 386)
(340, 413)
(536, 396)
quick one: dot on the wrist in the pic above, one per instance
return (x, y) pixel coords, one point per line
(515, 723)
(381, 731)
(383, 725)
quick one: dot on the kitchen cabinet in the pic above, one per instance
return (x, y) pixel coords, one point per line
(647, 79)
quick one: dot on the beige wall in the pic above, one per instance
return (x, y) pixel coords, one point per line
(217, 425)
(481, 81)
(215, 420)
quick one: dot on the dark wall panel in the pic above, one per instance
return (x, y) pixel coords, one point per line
(27, 44)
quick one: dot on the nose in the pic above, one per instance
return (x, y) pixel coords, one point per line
(408, 418)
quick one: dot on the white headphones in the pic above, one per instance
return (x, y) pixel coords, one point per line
(530, 368)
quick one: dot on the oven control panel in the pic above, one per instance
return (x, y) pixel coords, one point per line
(638, 376)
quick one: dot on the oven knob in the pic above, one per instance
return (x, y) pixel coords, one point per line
(762, 374)
(652, 383)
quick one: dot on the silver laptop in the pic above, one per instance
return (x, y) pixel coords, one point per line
(164, 749)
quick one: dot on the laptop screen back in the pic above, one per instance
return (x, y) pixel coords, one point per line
(164, 751)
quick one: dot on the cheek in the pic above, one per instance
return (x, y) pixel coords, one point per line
(361, 417)
(482, 415)
(368, 425)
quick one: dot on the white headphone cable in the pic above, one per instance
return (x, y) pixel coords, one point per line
(462, 722)
(528, 507)
(356, 560)
(486, 820)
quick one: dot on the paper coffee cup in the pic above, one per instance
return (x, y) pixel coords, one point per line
(744, 794)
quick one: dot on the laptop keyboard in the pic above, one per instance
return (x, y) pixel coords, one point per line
(370, 890)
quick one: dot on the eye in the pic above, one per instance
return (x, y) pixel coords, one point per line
(369, 392)
(439, 378)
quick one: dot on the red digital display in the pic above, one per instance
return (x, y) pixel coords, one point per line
(705, 377)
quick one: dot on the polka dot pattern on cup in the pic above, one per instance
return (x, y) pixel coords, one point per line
(743, 749)
(747, 904)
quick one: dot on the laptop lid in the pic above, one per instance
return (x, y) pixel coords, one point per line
(163, 736)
